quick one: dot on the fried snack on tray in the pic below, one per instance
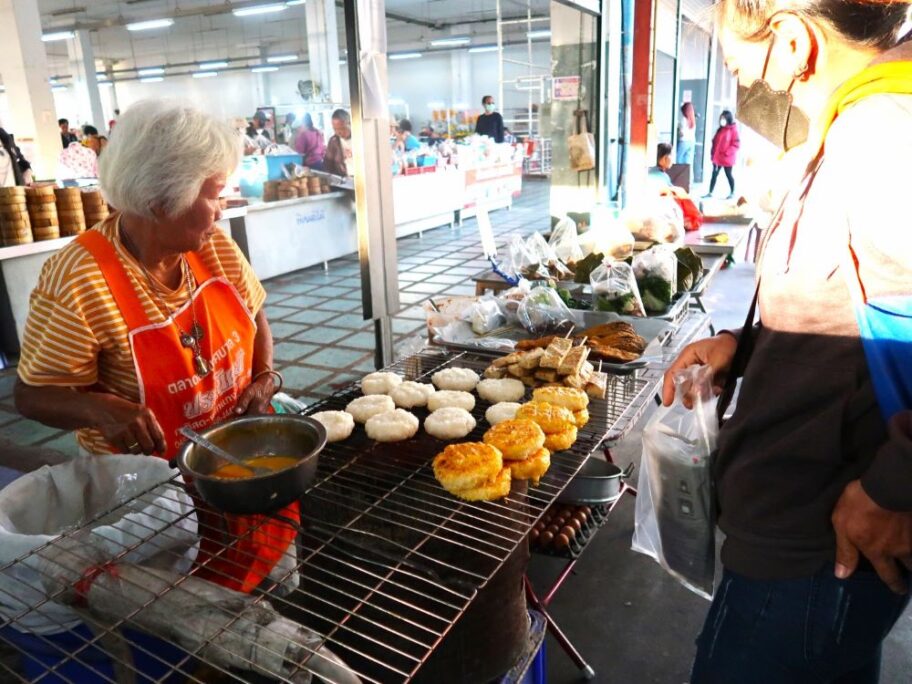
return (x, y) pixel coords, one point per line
(540, 343)
(496, 488)
(574, 360)
(612, 354)
(597, 387)
(493, 372)
(467, 465)
(516, 439)
(531, 359)
(555, 353)
(549, 418)
(533, 468)
(569, 398)
(581, 417)
(561, 441)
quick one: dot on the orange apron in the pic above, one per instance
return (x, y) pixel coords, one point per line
(236, 551)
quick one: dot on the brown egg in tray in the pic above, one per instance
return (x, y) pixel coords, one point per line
(565, 529)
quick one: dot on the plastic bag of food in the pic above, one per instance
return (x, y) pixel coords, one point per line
(656, 272)
(660, 220)
(607, 235)
(675, 517)
(486, 315)
(545, 260)
(509, 300)
(519, 260)
(564, 241)
(614, 289)
(543, 312)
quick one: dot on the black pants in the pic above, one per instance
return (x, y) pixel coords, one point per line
(715, 176)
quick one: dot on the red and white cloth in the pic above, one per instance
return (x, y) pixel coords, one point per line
(77, 161)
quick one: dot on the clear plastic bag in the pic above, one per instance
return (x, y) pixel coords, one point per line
(564, 241)
(606, 235)
(486, 315)
(660, 220)
(675, 513)
(518, 257)
(656, 272)
(509, 300)
(543, 311)
(615, 289)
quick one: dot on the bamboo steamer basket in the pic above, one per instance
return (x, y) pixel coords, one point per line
(16, 232)
(313, 185)
(46, 233)
(40, 194)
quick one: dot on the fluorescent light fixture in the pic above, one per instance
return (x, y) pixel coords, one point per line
(152, 71)
(405, 55)
(208, 66)
(264, 69)
(53, 81)
(59, 89)
(152, 79)
(57, 35)
(150, 24)
(205, 74)
(259, 9)
(295, 3)
(484, 48)
(449, 42)
(278, 59)
(543, 33)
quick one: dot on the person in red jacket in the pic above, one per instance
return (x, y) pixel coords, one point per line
(725, 151)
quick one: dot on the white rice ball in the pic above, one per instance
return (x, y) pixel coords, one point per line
(498, 413)
(505, 389)
(411, 394)
(363, 408)
(445, 398)
(392, 426)
(457, 379)
(380, 383)
(338, 424)
(449, 423)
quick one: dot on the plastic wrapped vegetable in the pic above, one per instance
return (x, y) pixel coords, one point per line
(543, 311)
(564, 241)
(614, 289)
(690, 268)
(586, 266)
(545, 260)
(656, 272)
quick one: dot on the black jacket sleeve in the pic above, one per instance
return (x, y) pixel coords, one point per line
(887, 480)
(498, 129)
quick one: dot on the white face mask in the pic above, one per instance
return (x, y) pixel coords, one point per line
(489, 108)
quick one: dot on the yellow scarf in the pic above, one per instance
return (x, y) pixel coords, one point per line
(889, 77)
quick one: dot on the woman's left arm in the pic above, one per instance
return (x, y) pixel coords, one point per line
(254, 400)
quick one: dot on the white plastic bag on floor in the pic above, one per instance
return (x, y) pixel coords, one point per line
(675, 513)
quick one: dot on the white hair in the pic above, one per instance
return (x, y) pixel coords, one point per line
(160, 154)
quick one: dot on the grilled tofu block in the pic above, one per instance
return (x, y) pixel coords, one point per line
(555, 353)
(597, 387)
(574, 360)
(532, 359)
(495, 373)
(507, 360)
(546, 375)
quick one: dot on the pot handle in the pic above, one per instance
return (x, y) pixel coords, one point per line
(628, 471)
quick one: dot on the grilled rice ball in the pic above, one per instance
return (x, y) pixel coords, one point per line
(505, 389)
(561, 441)
(458, 379)
(381, 382)
(516, 439)
(467, 465)
(443, 398)
(498, 413)
(392, 426)
(411, 394)
(581, 417)
(364, 408)
(568, 397)
(338, 424)
(549, 417)
(449, 422)
(533, 468)
(496, 488)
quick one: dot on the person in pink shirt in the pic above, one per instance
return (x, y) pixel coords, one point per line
(725, 146)
(310, 144)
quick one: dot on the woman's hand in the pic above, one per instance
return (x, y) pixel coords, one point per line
(716, 352)
(254, 401)
(131, 428)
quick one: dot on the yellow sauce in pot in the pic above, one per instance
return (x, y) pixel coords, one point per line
(229, 471)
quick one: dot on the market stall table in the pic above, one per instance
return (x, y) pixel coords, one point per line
(408, 573)
(737, 234)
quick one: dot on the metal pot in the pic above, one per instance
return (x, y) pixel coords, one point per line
(597, 482)
(278, 435)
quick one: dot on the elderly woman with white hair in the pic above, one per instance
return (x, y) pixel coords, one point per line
(153, 320)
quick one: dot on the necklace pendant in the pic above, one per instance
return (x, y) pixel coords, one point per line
(187, 339)
(197, 331)
(201, 366)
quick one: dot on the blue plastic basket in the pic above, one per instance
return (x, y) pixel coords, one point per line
(49, 657)
(532, 666)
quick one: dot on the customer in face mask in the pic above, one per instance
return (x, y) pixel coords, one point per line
(725, 146)
(813, 474)
(490, 123)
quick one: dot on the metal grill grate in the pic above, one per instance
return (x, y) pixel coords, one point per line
(388, 562)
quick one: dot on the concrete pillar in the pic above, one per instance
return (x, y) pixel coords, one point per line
(640, 139)
(323, 48)
(25, 74)
(85, 82)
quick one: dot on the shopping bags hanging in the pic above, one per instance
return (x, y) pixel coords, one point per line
(675, 512)
(582, 145)
(885, 325)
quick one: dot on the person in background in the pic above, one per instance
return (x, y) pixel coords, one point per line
(91, 139)
(687, 134)
(14, 169)
(407, 141)
(725, 146)
(659, 172)
(257, 127)
(338, 157)
(288, 129)
(508, 136)
(66, 135)
(309, 143)
(490, 123)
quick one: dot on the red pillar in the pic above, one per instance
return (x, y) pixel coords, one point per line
(638, 153)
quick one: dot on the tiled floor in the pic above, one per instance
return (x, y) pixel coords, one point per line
(321, 339)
